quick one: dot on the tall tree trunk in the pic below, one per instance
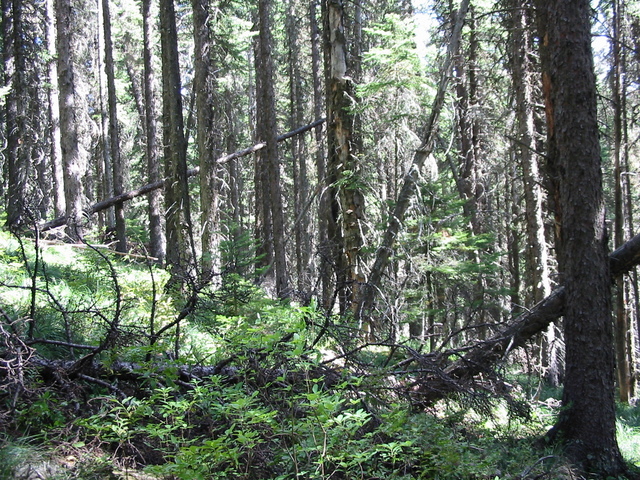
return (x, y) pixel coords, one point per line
(536, 251)
(633, 293)
(324, 264)
(513, 199)
(622, 320)
(74, 155)
(114, 131)
(135, 86)
(468, 128)
(208, 133)
(177, 202)
(55, 155)
(470, 173)
(263, 223)
(587, 421)
(347, 208)
(157, 240)
(298, 156)
(17, 144)
(268, 157)
(104, 169)
(234, 211)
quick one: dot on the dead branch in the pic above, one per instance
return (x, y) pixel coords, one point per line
(483, 357)
(430, 376)
(60, 343)
(409, 183)
(107, 247)
(124, 197)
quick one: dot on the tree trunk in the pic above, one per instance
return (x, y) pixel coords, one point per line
(263, 223)
(103, 173)
(468, 129)
(513, 228)
(470, 173)
(74, 155)
(621, 312)
(55, 156)
(177, 202)
(268, 158)
(208, 134)
(536, 251)
(114, 131)
(587, 421)
(298, 155)
(347, 201)
(157, 240)
(324, 248)
(633, 293)
(17, 145)
(233, 221)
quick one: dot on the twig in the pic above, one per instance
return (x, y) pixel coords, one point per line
(540, 460)
(103, 383)
(60, 343)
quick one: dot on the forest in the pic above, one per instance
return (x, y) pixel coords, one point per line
(330, 239)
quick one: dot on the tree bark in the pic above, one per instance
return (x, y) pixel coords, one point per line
(157, 240)
(74, 155)
(103, 174)
(471, 172)
(537, 255)
(177, 201)
(263, 223)
(208, 133)
(17, 148)
(622, 336)
(324, 272)
(347, 201)
(268, 160)
(114, 131)
(633, 295)
(57, 174)
(467, 103)
(587, 422)
(298, 153)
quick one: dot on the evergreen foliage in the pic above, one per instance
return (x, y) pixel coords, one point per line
(105, 360)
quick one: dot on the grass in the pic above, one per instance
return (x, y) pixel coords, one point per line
(628, 433)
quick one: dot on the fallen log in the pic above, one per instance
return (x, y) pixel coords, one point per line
(124, 197)
(483, 357)
(433, 378)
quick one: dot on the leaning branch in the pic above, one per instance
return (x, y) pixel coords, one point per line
(408, 188)
(486, 354)
(124, 197)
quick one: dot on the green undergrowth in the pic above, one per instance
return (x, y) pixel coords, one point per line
(271, 403)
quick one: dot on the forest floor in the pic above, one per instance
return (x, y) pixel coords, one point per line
(91, 388)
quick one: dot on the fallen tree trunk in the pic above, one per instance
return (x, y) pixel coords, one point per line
(483, 357)
(124, 197)
(433, 379)
(110, 202)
